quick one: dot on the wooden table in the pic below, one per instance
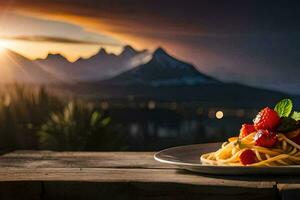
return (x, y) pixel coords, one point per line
(125, 175)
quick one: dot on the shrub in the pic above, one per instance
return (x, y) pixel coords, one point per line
(22, 110)
(78, 127)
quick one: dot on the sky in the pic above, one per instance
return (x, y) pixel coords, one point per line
(250, 41)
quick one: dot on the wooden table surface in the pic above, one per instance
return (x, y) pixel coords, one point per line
(125, 175)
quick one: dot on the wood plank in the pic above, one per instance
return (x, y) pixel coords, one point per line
(50, 159)
(289, 191)
(20, 190)
(92, 183)
(118, 175)
(57, 190)
(153, 191)
(122, 175)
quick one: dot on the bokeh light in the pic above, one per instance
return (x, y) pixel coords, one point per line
(219, 114)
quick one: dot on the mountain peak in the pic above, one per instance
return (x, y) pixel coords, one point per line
(55, 56)
(164, 70)
(101, 54)
(160, 50)
(161, 53)
(102, 51)
(128, 50)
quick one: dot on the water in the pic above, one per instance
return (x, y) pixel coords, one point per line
(161, 128)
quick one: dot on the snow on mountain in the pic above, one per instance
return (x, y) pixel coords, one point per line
(163, 70)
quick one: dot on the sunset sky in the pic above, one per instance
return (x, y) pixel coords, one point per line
(253, 42)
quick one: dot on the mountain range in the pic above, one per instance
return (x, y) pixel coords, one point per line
(57, 69)
(129, 67)
(16, 68)
(166, 79)
(140, 74)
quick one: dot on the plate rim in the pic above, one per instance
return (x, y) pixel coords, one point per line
(182, 164)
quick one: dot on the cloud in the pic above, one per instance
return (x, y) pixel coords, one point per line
(181, 16)
(254, 35)
(140, 22)
(39, 38)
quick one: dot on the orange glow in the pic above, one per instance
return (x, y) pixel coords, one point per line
(101, 26)
(6, 73)
(34, 50)
(124, 34)
(72, 52)
(2, 46)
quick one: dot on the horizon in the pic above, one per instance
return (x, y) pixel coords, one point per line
(4, 47)
(144, 75)
(101, 49)
(256, 45)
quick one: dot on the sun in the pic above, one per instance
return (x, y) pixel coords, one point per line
(2, 46)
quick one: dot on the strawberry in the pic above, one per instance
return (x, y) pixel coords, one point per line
(246, 130)
(267, 118)
(248, 157)
(265, 138)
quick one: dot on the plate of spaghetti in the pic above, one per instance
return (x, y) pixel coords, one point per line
(269, 145)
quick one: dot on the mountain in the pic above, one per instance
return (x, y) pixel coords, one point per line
(57, 69)
(160, 77)
(163, 70)
(157, 69)
(16, 68)
(100, 66)
(166, 79)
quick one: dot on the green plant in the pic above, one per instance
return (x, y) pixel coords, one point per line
(78, 127)
(22, 110)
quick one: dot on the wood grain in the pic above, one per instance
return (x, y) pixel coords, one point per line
(123, 175)
(49, 159)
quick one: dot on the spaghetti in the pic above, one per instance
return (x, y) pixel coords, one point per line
(285, 152)
(272, 140)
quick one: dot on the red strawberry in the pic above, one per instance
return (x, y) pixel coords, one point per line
(247, 157)
(246, 130)
(265, 138)
(266, 119)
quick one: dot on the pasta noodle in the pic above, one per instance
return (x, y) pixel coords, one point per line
(285, 152)
(272, 140)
